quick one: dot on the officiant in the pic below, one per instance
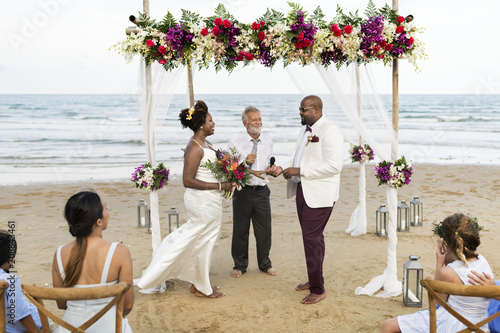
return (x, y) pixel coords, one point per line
(252, 203)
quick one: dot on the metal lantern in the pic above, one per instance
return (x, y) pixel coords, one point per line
(173, 213)
(416, 212)
(413, 273)
(142, 214)
(382, 219)
(403, 217)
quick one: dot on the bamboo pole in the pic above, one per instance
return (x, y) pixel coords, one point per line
(395, 98)
(190, 84)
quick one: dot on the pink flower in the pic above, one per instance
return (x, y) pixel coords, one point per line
(150, 43)
(215, 30)
(348, 29)
(262, 35)
(400, 19)
(255, 26)
(218, 21)
(204, 32)
(162, 61)
(400, 29)
(226, 23)
(162, 50)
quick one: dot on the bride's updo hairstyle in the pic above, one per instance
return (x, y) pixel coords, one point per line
(460, 236)
(81, 211)
(198, 115)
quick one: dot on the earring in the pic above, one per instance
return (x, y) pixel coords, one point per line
(201, 127)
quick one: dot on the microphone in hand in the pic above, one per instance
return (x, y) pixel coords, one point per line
(271, 161)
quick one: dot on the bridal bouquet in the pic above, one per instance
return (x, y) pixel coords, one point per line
(229, 167)
(361, 153)
(394, 174)
(149, 178)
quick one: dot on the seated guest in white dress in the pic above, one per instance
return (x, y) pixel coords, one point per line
(90, 261)
(456, 258)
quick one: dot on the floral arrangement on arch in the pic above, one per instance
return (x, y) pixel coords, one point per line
(229, 167)
(297, 37)
(149, 178)
(361, 153)
(394, 174)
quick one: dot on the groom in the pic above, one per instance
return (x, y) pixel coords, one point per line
(313, 175)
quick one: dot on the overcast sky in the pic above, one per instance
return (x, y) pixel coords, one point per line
(61, 46)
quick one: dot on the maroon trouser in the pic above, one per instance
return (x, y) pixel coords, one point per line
(313, 222)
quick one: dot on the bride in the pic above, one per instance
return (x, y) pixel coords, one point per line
(187, 252)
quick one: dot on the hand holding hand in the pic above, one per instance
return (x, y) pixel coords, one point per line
(290, 172)
(258, 173)
(251, 158)
(274, 170)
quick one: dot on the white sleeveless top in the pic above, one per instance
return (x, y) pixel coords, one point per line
(79, 311)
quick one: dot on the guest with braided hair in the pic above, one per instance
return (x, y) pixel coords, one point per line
(456, 258)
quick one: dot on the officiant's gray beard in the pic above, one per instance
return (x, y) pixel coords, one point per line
(254, 130)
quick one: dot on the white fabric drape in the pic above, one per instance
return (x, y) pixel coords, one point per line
(155, 90)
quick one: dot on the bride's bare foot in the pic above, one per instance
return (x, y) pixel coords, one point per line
(215, 294)
(193, 289)
(272, 271)
(303, 286)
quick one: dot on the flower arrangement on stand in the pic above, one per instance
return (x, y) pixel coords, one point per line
(394, 174)
(229, 167)
(297, 37)
(149, 178)
(361, 153)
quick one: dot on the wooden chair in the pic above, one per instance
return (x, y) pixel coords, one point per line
(37, 294)
(4, 285)
(433, 287)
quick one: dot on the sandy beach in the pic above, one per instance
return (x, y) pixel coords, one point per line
(258, 302)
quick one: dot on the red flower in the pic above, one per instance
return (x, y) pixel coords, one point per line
(334, 27)
(382, 43)
(388, 47)
(162, 49)
(218, 21)
(337, 32)
(299, 45)
(255, 26)
(411, 40)
(150, 43)
(249, 56)
(400, 19)
(301, 36)
(226, 23)
(376, 49)
(241, 167)
(240, 57)
(156, 54)
(162, 61)
(262, 35)
(380, 56)
(307, 42)
(204, 32)
(215, 30)
(400, 29)
(348, 29)
(262, 23)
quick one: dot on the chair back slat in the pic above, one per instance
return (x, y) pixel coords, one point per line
(3, 287)
(433, 287)
(37, 294)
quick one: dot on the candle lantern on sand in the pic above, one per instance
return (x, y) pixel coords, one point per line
(403, 216)
(142, 214)
(412, 275)
(416, 212)
(173, 213)
(382, 217)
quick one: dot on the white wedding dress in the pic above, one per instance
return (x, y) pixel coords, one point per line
(186, 253)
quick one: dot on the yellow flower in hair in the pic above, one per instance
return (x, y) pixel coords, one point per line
(190, 113)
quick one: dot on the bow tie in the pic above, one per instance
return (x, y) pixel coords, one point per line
(308, 129)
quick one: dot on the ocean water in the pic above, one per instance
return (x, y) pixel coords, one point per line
(63, 138)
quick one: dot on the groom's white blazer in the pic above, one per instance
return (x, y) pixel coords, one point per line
(320, 165)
